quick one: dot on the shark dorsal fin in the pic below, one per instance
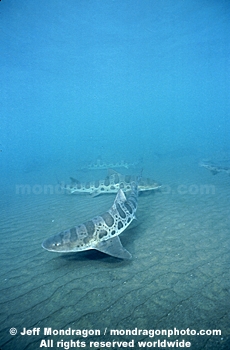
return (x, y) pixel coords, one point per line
(120, 197)
(74, 180)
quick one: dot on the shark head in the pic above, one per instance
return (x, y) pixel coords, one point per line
(62, 242)
(76, 239)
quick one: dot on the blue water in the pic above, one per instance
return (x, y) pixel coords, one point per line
(116, 79)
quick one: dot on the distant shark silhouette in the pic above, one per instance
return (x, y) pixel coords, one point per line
(215, 169)
(111, 184)
(99, 164)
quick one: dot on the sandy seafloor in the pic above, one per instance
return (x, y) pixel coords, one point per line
(178, 276)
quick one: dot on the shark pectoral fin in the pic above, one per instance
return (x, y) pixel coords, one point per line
(95, 193)
(114, 248)
(112, 172)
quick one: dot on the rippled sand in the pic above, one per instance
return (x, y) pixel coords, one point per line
(178, 277)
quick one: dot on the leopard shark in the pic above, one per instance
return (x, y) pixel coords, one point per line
(111, 184)
(215, 169)
(101, 232)
(99, 165)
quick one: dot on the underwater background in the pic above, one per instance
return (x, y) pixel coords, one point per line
(139, 81)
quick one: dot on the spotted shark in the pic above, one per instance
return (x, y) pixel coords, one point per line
(101, 232)
(99, 165)
(111, 184)
(215, 169)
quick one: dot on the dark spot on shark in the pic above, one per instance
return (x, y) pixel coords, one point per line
(102, 233)
(108, 219)
(87, 239)
(128, 207)
(127, 178)
(106, 182)
(65, 237)
(73, 233)
(116, 179)
(90, 227)
(96, 183)
(119, 225)
(120, 211)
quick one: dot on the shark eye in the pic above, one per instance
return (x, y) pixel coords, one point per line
(56, 244)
